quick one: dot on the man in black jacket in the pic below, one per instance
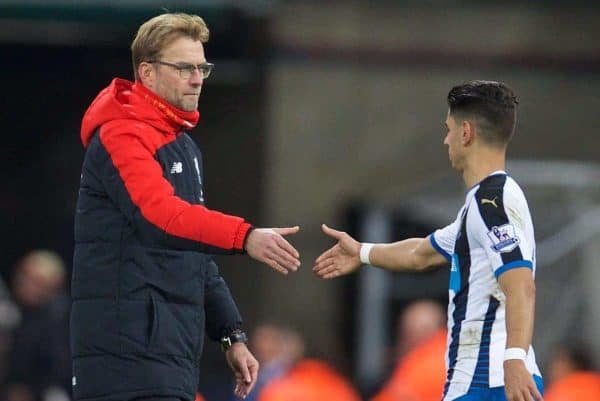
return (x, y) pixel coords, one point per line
(144, 285)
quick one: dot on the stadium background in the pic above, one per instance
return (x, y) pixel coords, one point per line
(325, 111)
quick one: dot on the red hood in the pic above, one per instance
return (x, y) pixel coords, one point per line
(126, 100)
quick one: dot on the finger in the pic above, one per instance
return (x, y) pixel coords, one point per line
(284, 259)
(275, 266)
(242, 389)
(281, 254)
(535, 393)
(253, 368)
(521, 396)
(323, 264)
(273, 260)
(333, 274)
(286, 230)
(331, 232)
(254, 375)
(329, 272)
(238, 386)
(287, 247)
(245, 373)
(327, 254)
(530, 393)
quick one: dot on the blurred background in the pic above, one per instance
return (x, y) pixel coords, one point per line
(317, 112)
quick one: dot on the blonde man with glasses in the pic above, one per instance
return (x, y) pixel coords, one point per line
(145, 287)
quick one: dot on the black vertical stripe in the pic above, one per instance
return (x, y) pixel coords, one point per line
(461, 250)
(494, 215)
(481, 376)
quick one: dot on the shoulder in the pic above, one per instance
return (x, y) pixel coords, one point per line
(515, 203)
(492, 185)
(499, 192)
(513, 193)
(132, 133)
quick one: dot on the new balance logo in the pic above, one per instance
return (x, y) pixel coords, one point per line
(177, 168)
(488, 201)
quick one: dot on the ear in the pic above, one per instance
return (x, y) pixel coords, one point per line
(468, 133)
(146, 74)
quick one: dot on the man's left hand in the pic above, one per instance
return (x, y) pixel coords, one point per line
(518, 383)
(244, 366)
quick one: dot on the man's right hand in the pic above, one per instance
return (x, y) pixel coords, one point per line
(342, 258)
(267, 245)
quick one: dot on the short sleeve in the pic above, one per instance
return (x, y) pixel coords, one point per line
(504, 234)
(443, 239)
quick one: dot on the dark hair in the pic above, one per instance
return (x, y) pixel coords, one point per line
(492, 106)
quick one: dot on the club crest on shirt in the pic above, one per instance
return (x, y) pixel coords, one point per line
(503, 238)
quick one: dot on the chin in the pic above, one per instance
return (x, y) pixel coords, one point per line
(189, 107)
(451, 162)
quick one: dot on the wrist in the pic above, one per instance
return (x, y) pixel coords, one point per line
(245, 243)
(515, 353)
(235, 337)
(365, 250)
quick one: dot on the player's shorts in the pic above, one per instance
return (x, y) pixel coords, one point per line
(495, 393)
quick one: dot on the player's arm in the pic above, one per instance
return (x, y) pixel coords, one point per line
(414, 254)
(519, 288)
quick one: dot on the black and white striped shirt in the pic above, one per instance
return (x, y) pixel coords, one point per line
(492, 233)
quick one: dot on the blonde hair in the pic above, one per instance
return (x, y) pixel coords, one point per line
(158, 32)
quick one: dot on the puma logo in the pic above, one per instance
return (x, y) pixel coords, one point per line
(491, 202)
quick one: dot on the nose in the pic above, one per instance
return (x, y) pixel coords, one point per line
(196, 77)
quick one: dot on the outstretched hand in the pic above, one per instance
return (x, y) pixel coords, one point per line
(342, 258)
(268, 246)
(244, 367)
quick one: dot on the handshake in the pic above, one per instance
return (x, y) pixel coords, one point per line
(268, 245)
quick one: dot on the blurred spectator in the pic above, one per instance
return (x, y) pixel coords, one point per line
(572, 376)
(420, 372)
(286, 375)
(276, 349)
(310, 380)
(10, 317)
(39, 368)
(418, 322)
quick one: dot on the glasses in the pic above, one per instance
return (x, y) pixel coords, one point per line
(186, 70)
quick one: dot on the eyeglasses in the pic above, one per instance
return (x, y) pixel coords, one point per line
(185, 70)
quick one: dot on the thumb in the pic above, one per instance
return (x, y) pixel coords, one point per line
(287, 230)
(331, 232)
(245, 372)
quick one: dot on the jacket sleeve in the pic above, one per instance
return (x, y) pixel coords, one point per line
(222, 315)
(133, 178)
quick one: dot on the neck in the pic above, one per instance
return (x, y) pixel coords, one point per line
(483, 163)
(177, 118)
